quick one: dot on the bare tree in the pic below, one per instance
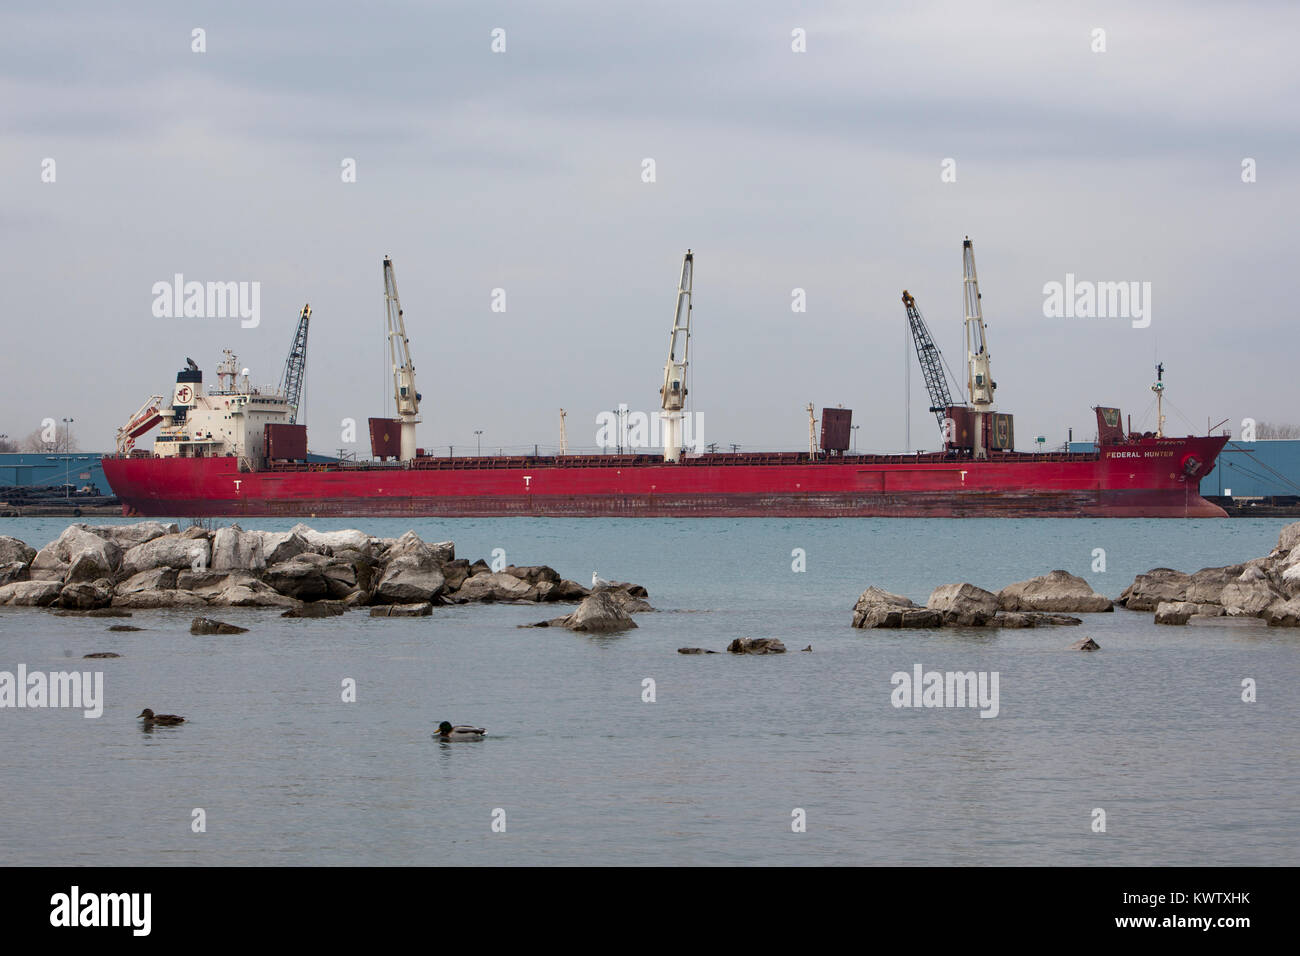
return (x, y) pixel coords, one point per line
(7, 444)
(36, 443)
(1267, 430)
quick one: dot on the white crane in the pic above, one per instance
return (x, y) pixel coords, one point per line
(673, 391)
(399, 352)
(979, 381)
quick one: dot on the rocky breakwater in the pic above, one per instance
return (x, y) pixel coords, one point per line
(89, 568)
(1051, 599)
(1267, 588)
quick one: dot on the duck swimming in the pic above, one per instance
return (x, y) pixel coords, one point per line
(166, 719)
(459, 732)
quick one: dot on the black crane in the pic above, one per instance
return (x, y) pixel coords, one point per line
(931, 360)
(295, 366)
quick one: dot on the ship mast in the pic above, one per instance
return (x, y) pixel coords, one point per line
(673, 391)
(979, 383)
(399, 352)
(1159, 388)
(564, 434)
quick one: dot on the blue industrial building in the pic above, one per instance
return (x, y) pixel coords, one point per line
(1259, 469)
(43, 470)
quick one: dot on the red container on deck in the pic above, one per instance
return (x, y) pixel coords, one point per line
(385, 438)
(837, 426)
(286, 442)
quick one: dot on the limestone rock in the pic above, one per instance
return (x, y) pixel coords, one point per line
(299, 579)
(876, 607)
(567, 590)
(1174, 612)
(30, 593)
(1085, 644)
(84, 595)
(183, 550)
(127, 536)
(1058, 591)
(13, 550)
(1157, 585)
(14, 571)
(1206, 585)
(141, 600)
(409, 579)
(1249, 594)
(1283, 613)
(234, 549)
(598, 613)
(694, 650)
(963, 605)
(494, 586)
(158, 579)
(280, 546)
(331, 542)
(88, 555)
(48, 566)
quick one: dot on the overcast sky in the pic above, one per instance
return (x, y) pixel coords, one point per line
(522, 170)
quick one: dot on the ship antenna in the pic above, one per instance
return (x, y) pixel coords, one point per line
(1159, 388)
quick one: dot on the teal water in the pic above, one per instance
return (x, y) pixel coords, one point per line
(1151, 729)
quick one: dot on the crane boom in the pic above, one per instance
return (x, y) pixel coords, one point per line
(979, 382)
(673, 391)
(399, 353)
(295, 366)
(931, 360)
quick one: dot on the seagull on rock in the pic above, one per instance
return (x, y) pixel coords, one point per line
(598, 582)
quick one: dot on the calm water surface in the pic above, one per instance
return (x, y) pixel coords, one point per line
(1151, 728)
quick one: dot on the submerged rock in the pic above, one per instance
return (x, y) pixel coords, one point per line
(600, 612)
(1085, 644)
(105, 655)
(203, 625)
(319, 609)
(402, 610)
(756, 645)
(694, 650)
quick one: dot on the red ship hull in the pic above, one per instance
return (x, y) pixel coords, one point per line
(1144, 479)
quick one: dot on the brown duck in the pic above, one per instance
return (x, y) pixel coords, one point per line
(166, 719)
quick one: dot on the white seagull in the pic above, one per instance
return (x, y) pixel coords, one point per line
(598, 582)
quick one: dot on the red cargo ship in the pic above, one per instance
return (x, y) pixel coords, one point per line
(236, 451)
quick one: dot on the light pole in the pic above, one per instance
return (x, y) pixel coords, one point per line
(855, 438)
(478, 433)
(67, 458)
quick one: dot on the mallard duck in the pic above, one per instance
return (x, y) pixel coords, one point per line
(460, 732)
(151, 718)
